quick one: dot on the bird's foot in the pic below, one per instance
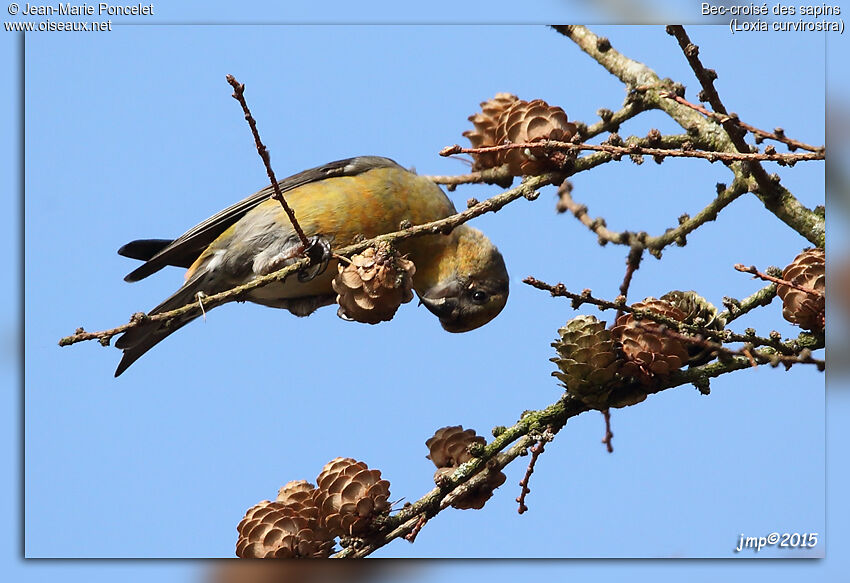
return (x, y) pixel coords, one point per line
(319, 252)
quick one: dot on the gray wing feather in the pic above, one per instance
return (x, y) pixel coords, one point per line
(186, 248)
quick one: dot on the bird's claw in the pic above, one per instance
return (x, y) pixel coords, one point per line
(319, 252)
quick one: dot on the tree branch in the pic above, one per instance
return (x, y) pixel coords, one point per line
(633, 148)
(648, 88)
(656, 244)
(735, 308)
(777, 134)
(239, 95)
(548, 421)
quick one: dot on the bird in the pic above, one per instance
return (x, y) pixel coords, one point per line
(460, 277)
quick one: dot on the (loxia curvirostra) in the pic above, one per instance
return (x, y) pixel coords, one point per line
(460, 277)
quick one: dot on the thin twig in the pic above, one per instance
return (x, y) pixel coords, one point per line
(777, 280)
(536, 450)
(633, 149)
(239, 95)
(654, 245)
(632, 264)
(586, 296)
(611, 123)
(597, 225)
(677, 234)
(777, 135)
(411, 536)
(609, 435)
(750, 337)
(706, 78)
(769, 355)
(499, 175)
(645, 84)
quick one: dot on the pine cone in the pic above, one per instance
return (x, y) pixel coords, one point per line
(531, 121)
(280, 531)
(587, 360)
(798, 307)
(449, 448)
(484, 134)
(698, 311)
(297, 493)
(350, 496)
(372, 287)
(649, 352)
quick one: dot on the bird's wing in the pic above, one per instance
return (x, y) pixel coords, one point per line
(188, 246)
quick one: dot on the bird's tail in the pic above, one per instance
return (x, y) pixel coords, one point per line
(136, 341)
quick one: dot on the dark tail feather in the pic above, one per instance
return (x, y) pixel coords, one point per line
(136, 341)
(157, 253)
(144, 249)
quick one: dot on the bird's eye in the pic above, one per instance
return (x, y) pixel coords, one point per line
(479, 297)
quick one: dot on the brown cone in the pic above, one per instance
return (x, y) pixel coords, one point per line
(349, 496)
(372, 287)
(531, 121)
(484, 134)
(649, 352)
(449, 448)
(798, 307)
(299, 494)
(698, 311)
(275, 530)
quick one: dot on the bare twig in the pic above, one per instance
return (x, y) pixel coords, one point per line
(706, 78)
(645, 84)
(239, 95)
(500, 175)
(536, 450)
(609, 435)
(736, 134)
(768, 355)
(632, 264)
(611, 123)
(777, 135)
(677, 234)
(598, 225)
(777, 280)
(633, 149)
(411, 536)
(654, 245)
(586, 297)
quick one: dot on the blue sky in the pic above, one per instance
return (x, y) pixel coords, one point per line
(133, 134)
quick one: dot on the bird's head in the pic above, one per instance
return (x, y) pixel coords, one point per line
(472, 283)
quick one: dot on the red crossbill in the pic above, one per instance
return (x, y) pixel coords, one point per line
(460, 277)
